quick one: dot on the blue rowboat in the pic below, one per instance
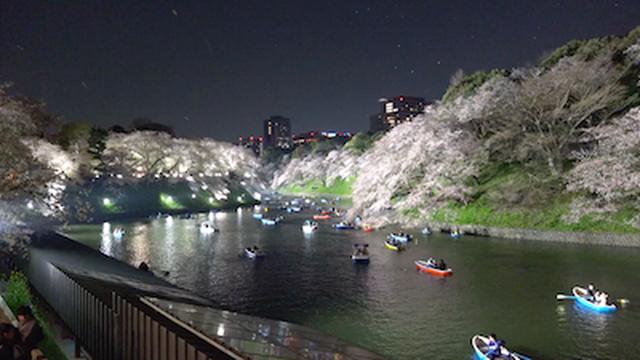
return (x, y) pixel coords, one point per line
(257, 216)
(481, 347)
(253, 253)
(400, 237)
(583, 298)
(344, 226)
(270, 221)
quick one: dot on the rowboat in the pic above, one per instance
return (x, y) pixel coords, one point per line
(207, 228)
(424, 266)
(400, 237)
(270, 221)
(309, 226)
(253, 253)
(367, 228)
(394, 245)
(481, 347)
(583, 298)
(321, 217)
(257, 216)
(426, 231)
(360, 254)
(343, 225)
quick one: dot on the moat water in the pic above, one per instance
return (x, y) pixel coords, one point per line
(504, 286)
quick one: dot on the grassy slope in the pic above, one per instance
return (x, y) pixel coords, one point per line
(509, 196)
(339, 187)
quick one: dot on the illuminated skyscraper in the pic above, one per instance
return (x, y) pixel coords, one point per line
(395, 111)
(277, 133)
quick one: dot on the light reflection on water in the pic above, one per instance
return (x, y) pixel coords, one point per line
(498, 285)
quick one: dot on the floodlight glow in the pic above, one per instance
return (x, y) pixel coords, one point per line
(193, 196)
(169, 198)
(30, 204)
(106, 201)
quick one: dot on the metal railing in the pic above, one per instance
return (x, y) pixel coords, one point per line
(120, 327)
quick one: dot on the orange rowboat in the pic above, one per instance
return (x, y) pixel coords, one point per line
(321, 217)
(423, 266)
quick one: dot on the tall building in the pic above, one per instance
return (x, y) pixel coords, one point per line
(395, 111)
(277, 133)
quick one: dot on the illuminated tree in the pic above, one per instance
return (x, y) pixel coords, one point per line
(609, 173)
(27, 184)
(206, 164)
(546, 116)
(418, 166)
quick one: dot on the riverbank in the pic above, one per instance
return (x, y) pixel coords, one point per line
(101, 200)
(562, 236)
(571, 237)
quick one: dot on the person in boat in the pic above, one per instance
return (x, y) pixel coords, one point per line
(362, 250)
(601, 298)
(441, 264)
(591, 290)
(431, 262)
(495, 347)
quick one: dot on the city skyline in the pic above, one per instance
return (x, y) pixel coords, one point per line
(218, 70)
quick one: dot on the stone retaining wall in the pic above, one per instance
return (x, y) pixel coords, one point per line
(575, 237)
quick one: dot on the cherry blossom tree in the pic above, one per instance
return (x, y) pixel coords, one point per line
(206, 164)
(421, 165)
(328, 168)
(546, 115)
(27, 184)
(609, 173)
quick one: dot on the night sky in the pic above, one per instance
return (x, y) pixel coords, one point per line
(218, 68)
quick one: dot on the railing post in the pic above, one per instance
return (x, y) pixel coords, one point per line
(116, 327)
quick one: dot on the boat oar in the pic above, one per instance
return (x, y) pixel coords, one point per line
(565, 297)
(571, 297)
(621, 301)
(522, 356)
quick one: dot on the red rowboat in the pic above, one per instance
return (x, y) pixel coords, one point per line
(424, 266)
